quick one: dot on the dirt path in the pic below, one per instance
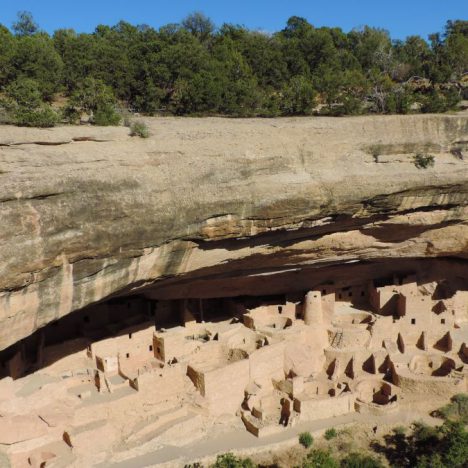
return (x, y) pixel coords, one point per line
(241, 440)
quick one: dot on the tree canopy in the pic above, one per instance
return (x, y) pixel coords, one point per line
(196, 68)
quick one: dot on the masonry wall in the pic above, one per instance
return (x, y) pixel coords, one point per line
(323, 408)
(224, 387)
(267, 363)
(413, 386)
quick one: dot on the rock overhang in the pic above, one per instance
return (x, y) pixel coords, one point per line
(207, 199)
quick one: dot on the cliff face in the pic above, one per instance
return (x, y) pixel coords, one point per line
(87, 213)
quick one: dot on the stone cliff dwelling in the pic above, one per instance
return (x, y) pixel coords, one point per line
(267, 361)
(227, 279)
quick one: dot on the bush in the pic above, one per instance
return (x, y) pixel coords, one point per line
(306, 439)
(106, 115)
(330, 433)
(434, 461)
(344, 105)
(139, 129)
(229, 460)
(94, 98)
(399, 430)
(454, 444)
(358, 460)
(319, 459)
(24, 104)
(440, 101)
(43, 117)
(298, 96)
(24, 92)
(423, 161)
(457, 410)
(399, 101)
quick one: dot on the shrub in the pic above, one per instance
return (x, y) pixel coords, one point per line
(298, 96)
(433, 461)
(440, 101)
(330, 433)
(106, 115)
(44, 116)
(24, 103)
(358, 460)
(306, 439)
(319, 459)
(24, 92)
(96, 98)
(457, 410)
(139, 129)
(423, 161)
(399, 102)
(229, 460)
(399, 430)
(454, 444)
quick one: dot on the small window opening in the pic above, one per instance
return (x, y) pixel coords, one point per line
(280, 309)
(128, 355)
(130, 335)
(151, 347)
(442, 321)
(324, 292)
(413, 321)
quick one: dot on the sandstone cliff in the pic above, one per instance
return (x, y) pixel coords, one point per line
(87, 213)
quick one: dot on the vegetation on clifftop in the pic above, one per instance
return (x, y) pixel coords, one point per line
(198, 69)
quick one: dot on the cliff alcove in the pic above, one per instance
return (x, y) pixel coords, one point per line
(256, 274)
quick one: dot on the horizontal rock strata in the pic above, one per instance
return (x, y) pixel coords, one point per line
(87, 213)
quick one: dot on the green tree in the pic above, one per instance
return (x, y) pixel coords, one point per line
(192, 68)
(96, 99)
(372, 47)
(296, 26)
(35, 57)
(25, 103)
(199, 25)
(7, 51)
(25, 24)
(457, 52)
(454, 444)
(411, 58)
(25, 92)
(298, 96)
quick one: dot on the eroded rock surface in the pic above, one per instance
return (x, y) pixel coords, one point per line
(87, 213)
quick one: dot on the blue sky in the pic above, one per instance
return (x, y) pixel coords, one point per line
(400, 17)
